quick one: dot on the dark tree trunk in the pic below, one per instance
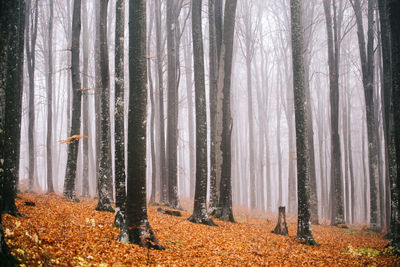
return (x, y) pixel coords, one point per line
(224, 211)
(138, 227)
(49, 80)
(70, 174)
(105, 148)
(394, 11)
(31, 36)
(12, 25)
(304, 233)
(163, 169)
(97, 98)
(336, 194)
(120, 177)
(200, 195)
(172, 109)
(85, 102)
(367, 67)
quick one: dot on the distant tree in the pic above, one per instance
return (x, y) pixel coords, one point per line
(367, 69)
(32, 13)
(105, 148)
(138, 227)
(49, 81)
(304, 232)
(12, 26)
(200, 195)
(70, 174)
(337, 216)
(120, 185)
(224, 209)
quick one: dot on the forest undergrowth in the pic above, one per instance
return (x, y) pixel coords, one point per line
(56, 232)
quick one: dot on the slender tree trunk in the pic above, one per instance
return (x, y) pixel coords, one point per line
(304, 233)
(163, 169)
(200, 196)
(224, 82)
(138, 227)
(120, 177)
(49, 80)
(70, 174)
(31, 36)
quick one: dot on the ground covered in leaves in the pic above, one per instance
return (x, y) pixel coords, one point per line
(56, 232)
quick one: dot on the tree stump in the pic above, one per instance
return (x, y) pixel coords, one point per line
(170, 212)
(281, 227)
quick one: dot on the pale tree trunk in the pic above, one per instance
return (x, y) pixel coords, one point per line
(119, 130)
(304, 232)
(32, 13)
(49, 85)
(70, 174)
(200, 196)
(105, 148)
(138, 230)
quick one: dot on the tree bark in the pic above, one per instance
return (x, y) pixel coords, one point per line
(70, 174)
(281, 227)
(120, 177)
(138, 227)
(200, 196)
(105, 148)
(304, 232)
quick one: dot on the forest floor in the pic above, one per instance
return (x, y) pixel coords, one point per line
(56, 232)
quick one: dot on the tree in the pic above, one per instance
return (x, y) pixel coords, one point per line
(337, 216)
(161, 142)
(138, 227)
(120, 186)
(70, 173)
(367, 68)
(200, 195)
(49, 85)
(31, 36)
(11, 47)
(105, 148)
(172, 108)
(224, 210)
(304, 232)
(394, 9)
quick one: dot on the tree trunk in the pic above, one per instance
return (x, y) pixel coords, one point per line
(120, 186)
(304, 233)
(172, 127)
(12, 25)
(162, 168)
(105, 148)
(70, 174)
(281, 227)
(367, 67)
(31, 36)
(200, 196)
(138, 227)
(224, 81)
(49, 80)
